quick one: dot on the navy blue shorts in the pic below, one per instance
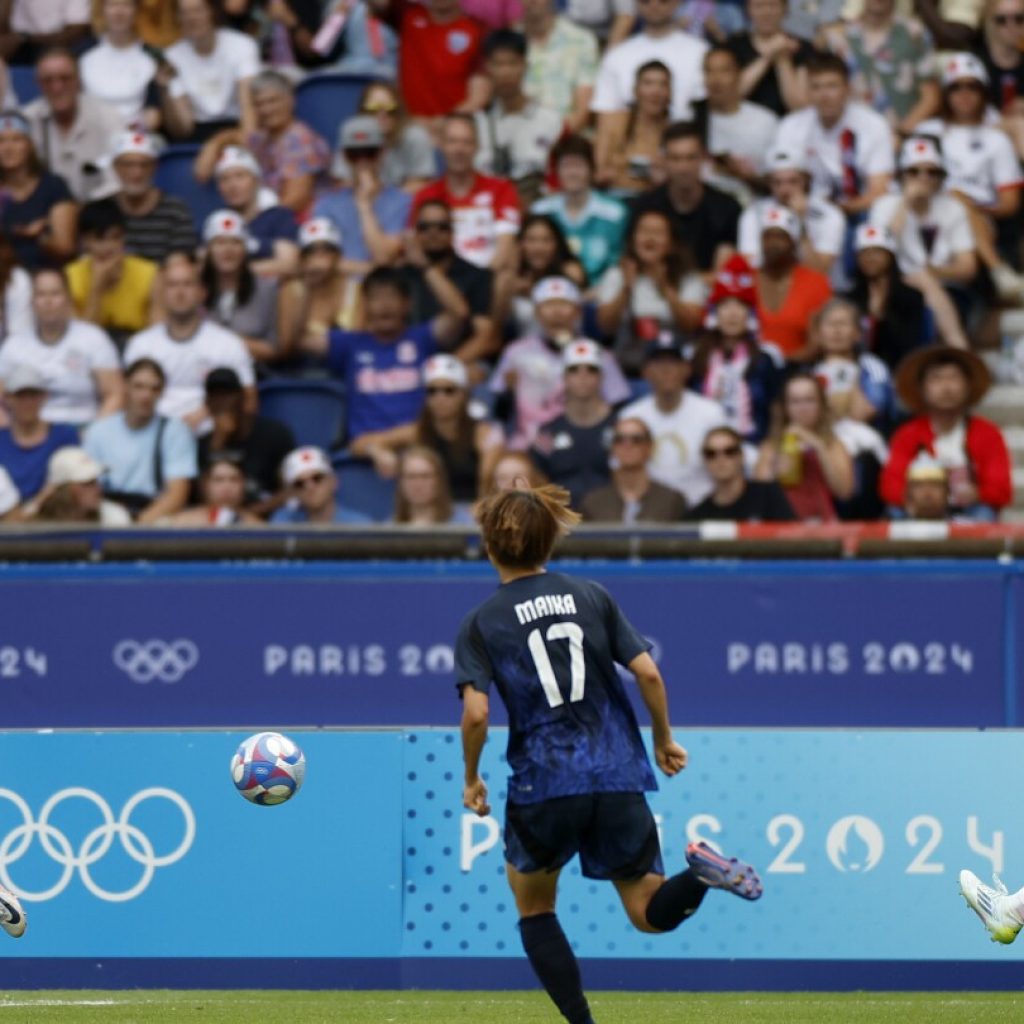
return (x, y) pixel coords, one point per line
(614, 834)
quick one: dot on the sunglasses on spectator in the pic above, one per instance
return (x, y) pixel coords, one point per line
(383, 107)
(930, 172)
(729, 452)
(1008, 19)
(630, 439)
(433, 225)
(362, 153)
(442, 389)
(315, 478)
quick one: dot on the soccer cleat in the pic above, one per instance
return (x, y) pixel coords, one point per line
(729, 873)
(12, 917)
(995, 906)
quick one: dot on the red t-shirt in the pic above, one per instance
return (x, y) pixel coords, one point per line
(489, 209)
(788, 326)
(435, 61)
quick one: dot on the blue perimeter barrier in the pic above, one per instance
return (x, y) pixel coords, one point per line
(931, 644)
(141, 866)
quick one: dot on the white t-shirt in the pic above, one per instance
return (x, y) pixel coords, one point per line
(526, 137)
(17, 304)
(118, 75)
(44, 17)
(860, 439)
(211, 81)
(187, 363)
(824, 226)
(980, 159)
(646, 299)
(946, 225)
(678, 436)
(803, 132)
(682, 54)
(748, 133)
(10, 498)
(67, 366)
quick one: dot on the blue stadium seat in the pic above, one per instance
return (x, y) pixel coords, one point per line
(23, 78)
(325, 101)
(174, 175)
(314, 409)
(362, 490)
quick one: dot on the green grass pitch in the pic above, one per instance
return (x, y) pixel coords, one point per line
(143, 1007)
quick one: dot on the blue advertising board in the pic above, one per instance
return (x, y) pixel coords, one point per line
(307, 645)
(140, 864)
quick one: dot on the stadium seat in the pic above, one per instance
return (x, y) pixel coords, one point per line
(314, 409)
(175, 176)
(324, 101)
(362, 490)
(23, 78)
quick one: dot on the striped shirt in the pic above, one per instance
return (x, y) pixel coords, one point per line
(168, 227)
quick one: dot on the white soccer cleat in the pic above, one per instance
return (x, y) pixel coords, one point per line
(12, 917)
(995, 907)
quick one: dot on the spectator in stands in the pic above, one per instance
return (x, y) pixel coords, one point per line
(186, 343)
(984, 172)
(894, 313)
(733, 497)
(150, 459)
(271, 226)
(155, 223)
(892, 63)
(823, 226)
(222, 490)
(258, 443)
(28, 441)
(369, 214)
(629, 154)
(421, 495)
(439, 59)
(1000, 51)
(10, 499)
(118, 70)
(109, 288)
(730, 366)
(805, 17)
(572, 449)
(290, 155)
(593, 224)
(511, 469)
(39, 214)
(408, 159)
(313, 487)
(935, 247)
(611, 21)
(561, 63)
(926, 491)
(774, 61)
(73, 493)
(78, 362)
(213, 70)
(702, 216)
(654, 288)
(788, 293)
(431, 244)
(71, 130)
(678, 419)
(739, 132)
(486, 210)
(658, 39)
(530, 369)
(941, 386)
(516, 133)
(30, 27)
(543, 252)
(847, 145)
(805, 456)
(382, 365)
(15, 293)
(633, 496)
(236, 298)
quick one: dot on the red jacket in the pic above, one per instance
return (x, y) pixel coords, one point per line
(987, 457)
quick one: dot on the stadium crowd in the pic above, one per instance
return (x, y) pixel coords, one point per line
(691, 260)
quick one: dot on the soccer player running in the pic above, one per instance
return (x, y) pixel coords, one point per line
(549, 643)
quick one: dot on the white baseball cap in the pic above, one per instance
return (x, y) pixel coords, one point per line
(582, 353)
(135, 144)
(555, 288)
(784, 158)
(24, 377)
(920, 150)
(224, 224)
(236, 158)
(445, 367)
(783, 218)
(304, 461)
(319, 231)
(963, 65)
(72, 465)
(871, 236)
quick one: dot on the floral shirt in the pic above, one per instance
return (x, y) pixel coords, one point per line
(297, 151)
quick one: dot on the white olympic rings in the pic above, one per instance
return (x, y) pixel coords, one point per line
(164, 660)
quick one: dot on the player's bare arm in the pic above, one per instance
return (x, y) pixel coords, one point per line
(475, 711)
(670, 756)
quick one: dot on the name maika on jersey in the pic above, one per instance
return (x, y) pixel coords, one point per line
(544, 606)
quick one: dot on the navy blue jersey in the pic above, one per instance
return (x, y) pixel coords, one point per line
(550, 643)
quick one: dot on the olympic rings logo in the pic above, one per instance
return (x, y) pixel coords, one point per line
(55, 843)
(166, 661)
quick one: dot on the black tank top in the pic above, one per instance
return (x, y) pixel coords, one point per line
(463, 466)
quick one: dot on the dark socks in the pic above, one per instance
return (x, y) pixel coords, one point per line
(675, 901)
(554, 963)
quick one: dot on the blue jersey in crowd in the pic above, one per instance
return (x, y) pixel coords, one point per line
(550, 644)
(27, 466)
(383, 379)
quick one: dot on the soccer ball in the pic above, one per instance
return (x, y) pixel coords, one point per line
(268, 768)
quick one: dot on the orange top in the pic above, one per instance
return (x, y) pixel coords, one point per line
(788, 326)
